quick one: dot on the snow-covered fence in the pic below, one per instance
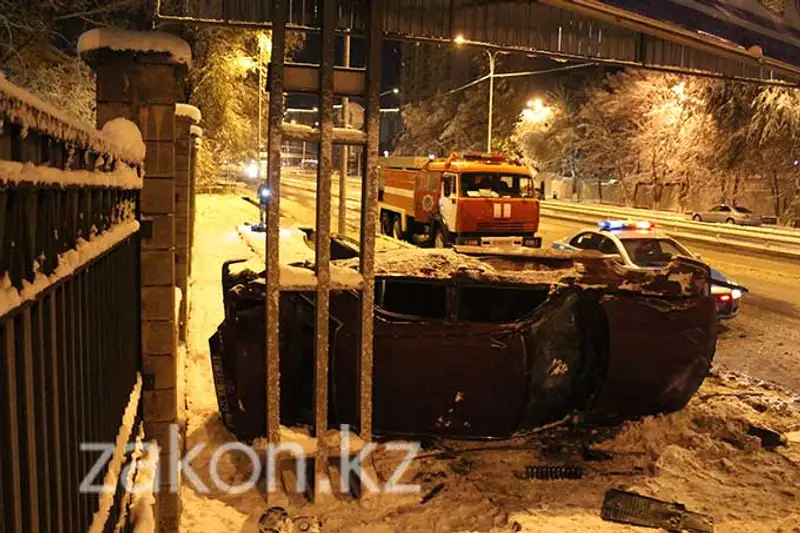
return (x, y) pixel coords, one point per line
(69, 306)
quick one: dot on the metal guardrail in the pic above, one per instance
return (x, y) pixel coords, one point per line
(744, 239)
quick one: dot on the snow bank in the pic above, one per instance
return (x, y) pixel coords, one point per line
(188, 111)
(197, 131)
(134, 41)
(68, 263)
(126, 135)
(123, 176)
(21, 107)
(106, 498)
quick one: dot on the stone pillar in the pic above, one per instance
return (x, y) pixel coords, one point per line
(197, 138)
(139, 84)
(186, 116)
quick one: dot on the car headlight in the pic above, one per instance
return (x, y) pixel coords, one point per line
(736, 294)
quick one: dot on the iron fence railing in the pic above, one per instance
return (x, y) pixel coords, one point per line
(69, 311)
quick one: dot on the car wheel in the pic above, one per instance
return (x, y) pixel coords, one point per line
(697, 218)
(439, 240)
(730, 221)
(397, 229)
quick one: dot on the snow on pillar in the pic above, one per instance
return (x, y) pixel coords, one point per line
(136, 75)
(197, 138)
(186, 116)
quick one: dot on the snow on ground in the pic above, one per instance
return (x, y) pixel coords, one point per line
(701, 456)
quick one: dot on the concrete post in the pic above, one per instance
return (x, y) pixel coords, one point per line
(139, 84)
(186, 116)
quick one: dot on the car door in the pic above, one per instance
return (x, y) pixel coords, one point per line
(712, 215)
(448, 206)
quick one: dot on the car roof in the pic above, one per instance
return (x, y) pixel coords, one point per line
(623, 234)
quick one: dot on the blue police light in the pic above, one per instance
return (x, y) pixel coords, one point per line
(611, 224)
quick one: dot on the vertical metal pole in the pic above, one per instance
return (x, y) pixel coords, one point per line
(273, 221)
(345, 151)
(323, 240)
(491, 101)
(369, 210)
(261, 173)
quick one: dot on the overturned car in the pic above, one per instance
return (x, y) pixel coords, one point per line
(475, 344)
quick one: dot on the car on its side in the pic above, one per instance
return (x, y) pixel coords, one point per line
(727, 214)
(638, 245)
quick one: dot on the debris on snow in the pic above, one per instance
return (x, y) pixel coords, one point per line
(134, 41)
(188, 111)
(21, 107)
(127, 136)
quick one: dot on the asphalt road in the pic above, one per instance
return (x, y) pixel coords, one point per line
(763, 341)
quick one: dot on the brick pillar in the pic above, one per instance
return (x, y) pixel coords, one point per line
(186, 116)
(140, 86)
(197, 138)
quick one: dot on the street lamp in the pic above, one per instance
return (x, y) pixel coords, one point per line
(393, 90)
(460, 40)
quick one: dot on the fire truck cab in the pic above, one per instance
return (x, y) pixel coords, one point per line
(470, 199)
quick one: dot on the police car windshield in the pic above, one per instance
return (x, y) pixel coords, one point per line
(651, 252)
(495, 185)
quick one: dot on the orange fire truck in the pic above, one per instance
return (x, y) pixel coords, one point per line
(469, 199)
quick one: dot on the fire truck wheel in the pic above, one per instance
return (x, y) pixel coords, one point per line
(397, 229)
(439, 239)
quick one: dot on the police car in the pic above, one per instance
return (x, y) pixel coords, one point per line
(639, 245)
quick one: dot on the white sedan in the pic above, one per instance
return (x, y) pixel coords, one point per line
(639, 245)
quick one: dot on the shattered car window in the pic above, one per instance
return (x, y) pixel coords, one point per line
(412, 297)
(498, 305)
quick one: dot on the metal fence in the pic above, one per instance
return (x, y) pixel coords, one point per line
(69, 312)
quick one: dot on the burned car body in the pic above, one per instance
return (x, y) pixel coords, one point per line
(478, 347)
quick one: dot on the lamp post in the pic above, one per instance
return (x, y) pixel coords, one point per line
(492, 55)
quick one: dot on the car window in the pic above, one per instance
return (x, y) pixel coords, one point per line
(715, 209)
(650, 253)
(586, 241)
(742, 210)
(497, 304)
(608, 246)
(724, 208)
(410, 297)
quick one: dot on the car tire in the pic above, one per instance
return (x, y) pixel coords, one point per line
(730, 221)
(438, 240)
(397, 228)
(697, 218)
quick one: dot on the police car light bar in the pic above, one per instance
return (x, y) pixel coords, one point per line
(611, 225)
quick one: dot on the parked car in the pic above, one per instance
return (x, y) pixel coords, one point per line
(639, 245)
(476, 345)
(729, 215)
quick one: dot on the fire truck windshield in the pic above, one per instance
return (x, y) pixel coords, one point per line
(496, 185)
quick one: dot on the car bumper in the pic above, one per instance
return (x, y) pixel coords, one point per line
(728, 309)
(530, 242)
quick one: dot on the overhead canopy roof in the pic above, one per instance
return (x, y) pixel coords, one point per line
(734, 38)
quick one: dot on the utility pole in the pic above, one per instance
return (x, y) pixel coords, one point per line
(492, 57)
(261, 173)
(343, 165)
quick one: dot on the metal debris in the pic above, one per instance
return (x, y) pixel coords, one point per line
(770, 439)
(432, 494)
(631, 508)
(551, 472)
